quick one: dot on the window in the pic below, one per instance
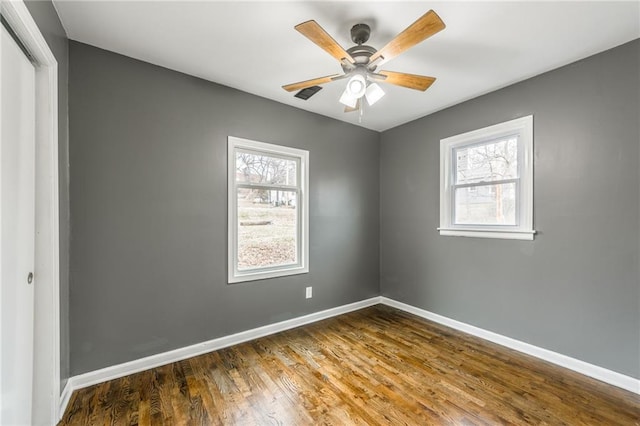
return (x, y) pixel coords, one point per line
(268, 210)
(486, 182)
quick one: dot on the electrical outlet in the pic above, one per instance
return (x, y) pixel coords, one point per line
(309, 292)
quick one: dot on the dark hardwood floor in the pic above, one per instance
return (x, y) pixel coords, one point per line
(370, 367)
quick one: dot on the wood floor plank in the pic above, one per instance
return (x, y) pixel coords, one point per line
(376, 366)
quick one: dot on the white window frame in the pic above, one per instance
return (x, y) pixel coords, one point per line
(302, 188)
(523, 229)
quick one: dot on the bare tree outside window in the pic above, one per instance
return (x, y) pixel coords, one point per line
(257, 168)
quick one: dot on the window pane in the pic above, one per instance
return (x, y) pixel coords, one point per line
(256, 168)
(495, 160)
(486, 205)
(267, 228)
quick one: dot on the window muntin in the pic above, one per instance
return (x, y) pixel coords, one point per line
(486, 182)
(268, 210)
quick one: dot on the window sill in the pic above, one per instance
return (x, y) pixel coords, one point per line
(263, 275)
(487, 233)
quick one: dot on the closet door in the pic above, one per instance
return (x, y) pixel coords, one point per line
(17, 217)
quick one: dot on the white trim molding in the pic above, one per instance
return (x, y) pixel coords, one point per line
(605, 375)
(487, 233)
(65, 397)
(46, 382)
(301, 190)
(522, 229)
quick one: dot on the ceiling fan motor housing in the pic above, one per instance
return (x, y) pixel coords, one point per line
(360, 33)
(360, 54)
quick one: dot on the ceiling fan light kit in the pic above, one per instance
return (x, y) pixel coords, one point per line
(359, 63)
(373, 93)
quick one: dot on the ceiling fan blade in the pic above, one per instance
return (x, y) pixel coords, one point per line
(426, 26)
(355, 108)
(314, 32)
(411, 81)
(308, 83)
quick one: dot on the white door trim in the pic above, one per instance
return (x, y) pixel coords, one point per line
(46, 384)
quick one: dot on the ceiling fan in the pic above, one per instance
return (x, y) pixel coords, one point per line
(360, 62)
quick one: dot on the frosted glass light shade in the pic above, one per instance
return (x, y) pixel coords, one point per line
(348, 99)
(374, 93)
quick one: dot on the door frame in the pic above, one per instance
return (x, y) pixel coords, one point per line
(46, 364)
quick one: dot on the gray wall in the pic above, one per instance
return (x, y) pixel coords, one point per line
(148, 201)
(576, 288)
(148, 191)
(46, 18)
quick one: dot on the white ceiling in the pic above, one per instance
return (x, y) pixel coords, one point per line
(252, 46)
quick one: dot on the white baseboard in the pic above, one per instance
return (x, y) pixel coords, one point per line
(142, 364)
(131, 367)
(65, 396)
(611, 377)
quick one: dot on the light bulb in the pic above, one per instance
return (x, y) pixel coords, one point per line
(356, 86)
